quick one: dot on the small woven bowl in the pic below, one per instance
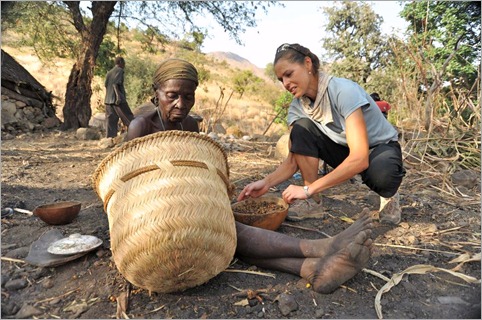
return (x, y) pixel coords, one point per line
(59, 212)
(259, 212)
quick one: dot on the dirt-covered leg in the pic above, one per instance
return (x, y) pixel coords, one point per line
(255, 242)
(264, 244)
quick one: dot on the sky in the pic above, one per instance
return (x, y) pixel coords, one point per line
(300, 22)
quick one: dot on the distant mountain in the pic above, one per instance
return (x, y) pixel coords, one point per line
(237, 61)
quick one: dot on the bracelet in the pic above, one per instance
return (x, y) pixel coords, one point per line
(307, 193)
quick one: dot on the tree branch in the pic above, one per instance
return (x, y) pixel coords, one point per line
(74, 8)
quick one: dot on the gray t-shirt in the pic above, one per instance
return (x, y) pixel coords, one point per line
(345, 97)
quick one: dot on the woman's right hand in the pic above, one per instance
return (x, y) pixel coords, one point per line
(254, 190)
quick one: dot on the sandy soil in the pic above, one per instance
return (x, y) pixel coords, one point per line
(53, 166)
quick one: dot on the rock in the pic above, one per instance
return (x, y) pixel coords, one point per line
(28, 113)
(319, 313)
(48, 283)
(27, 311)
(260, 138)
(100, 253)
(51, 122)
(16, 284)
(20, 104)
(8, 112)
(282, 149)
(5, 279)
(213, 135)
(9, 308)
(39, 273)
(465, 178)
(106, 143)
(7, 136)
(26, 125)
(286, 303)
(88, 133)
(98, 121)
(18, 253)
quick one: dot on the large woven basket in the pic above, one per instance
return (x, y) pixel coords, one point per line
(170, 220)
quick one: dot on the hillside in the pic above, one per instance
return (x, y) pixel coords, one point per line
(239, 62)
(252, 113)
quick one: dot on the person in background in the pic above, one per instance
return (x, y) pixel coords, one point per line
(324, 263)
(115, 99)
(335, 120)
(383, 105)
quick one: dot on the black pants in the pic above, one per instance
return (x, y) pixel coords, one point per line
(113, 113)
(384, 173)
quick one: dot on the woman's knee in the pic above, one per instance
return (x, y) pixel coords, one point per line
(385, 173)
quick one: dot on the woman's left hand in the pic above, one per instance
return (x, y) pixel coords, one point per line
(293, 193)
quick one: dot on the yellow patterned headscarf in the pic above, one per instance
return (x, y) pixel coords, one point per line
(175, 69)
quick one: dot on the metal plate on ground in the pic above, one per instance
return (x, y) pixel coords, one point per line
(75, 243)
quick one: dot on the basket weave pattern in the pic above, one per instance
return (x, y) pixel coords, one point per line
(170, 219)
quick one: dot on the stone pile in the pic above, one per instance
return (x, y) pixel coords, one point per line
(18, 117)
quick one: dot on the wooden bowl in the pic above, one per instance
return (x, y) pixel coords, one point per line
(265, 212)
(59, 212)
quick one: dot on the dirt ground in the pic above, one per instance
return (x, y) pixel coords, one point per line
(436, 228)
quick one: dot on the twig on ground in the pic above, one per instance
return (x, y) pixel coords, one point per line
(376, 274)
(264, 274)
(58, 297)
(413, 248)
(348, 288)
(12, 260)
(156, 309)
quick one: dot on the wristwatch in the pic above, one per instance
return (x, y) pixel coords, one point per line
(307, 193)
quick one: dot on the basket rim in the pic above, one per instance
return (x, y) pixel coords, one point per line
(132, 143)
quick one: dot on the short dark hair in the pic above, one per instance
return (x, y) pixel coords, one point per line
(375, 96)
(119, 61)
(296, 53)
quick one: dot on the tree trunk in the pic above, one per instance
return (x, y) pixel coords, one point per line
(77, 111)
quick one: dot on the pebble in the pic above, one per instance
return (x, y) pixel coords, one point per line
(286, 303)
(18, 253)
(319, 313)
(252, 302)
(9, 308)
(39, 273)
(100, 253)
(5, 279)
(27, 311)
(16, 284)
(48, 283)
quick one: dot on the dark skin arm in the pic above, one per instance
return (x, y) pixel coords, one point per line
(119, 97)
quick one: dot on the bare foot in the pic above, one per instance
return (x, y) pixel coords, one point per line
(324, 247)
(327, 274)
